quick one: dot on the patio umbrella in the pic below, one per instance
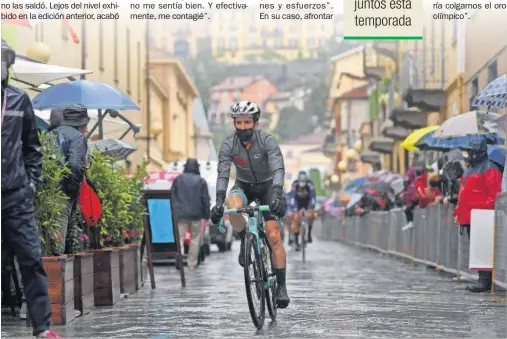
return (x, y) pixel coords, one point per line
(413, 138)
(469, 123)
(494, 94)
(431, 143)
(91, 94)
(114, 148)
(28, 73)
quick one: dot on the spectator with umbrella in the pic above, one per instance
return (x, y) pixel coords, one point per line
(71, 140)
(479, 186)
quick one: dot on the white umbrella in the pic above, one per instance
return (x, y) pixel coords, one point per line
(469, 123)
(354, 199)
(29, 74)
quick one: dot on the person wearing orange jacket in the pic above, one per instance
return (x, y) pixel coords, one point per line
(479, 187)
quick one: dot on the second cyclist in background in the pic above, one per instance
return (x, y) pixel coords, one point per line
(303, 197)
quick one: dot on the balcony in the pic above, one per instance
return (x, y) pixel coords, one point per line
(370, 157)
(422, 79)
(374, 63)
(382, 145)
(392, 131)
(387, 48)
(272, 33)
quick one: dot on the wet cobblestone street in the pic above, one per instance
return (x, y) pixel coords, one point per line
(340, 291)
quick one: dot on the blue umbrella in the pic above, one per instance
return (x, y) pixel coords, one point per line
(354, 184)
(494, 94)
(91, 94)
(430, 143)
(496, 155)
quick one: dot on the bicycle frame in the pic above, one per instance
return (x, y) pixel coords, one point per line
(255, 225)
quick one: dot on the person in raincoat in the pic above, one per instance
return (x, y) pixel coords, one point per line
(451, 180)
(21, 171)
(410, 198)
(479, 186)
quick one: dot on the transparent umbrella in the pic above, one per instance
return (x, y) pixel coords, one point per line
(115, 148)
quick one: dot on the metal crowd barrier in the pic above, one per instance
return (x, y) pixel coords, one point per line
(435, 240)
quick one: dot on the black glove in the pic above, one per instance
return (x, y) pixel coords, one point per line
(217, 212)
(277, 206)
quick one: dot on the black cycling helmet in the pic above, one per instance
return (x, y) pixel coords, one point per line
(246, 109)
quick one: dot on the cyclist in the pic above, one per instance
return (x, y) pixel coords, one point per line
(303, 197)
(260, 173)
(287, 220)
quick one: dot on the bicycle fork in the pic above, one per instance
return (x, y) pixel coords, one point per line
(254, 229)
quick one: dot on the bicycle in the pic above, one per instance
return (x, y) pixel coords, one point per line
(257, 248)
(303, 230)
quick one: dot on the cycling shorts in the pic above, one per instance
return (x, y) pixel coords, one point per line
(302, 204)
(251, 192)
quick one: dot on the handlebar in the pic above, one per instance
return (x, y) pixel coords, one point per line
(248, 209)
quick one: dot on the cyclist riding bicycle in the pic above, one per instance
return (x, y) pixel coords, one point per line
(303, 197)
(260, 173)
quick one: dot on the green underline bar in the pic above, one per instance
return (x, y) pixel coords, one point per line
(382, 38)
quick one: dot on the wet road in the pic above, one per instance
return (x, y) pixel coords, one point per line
(339, 292)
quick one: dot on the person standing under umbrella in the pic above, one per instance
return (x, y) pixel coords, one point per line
(21, 171)
(191, 203)
(479, 186)
(73, 147)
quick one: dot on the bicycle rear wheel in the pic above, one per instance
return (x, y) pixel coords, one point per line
(269, 274)
(254, 281)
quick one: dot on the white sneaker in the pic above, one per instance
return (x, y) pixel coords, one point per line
(408, 226)
(22, 311)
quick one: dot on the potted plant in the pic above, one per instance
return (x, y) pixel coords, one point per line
(49, 204)
(130, 254)
(77, 244)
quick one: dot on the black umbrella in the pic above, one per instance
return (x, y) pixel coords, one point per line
(114, 148)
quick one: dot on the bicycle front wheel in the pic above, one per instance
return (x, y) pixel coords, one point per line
(303, 241)
(254, 281)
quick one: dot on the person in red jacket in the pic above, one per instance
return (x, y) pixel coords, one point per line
(479, 186)
(433, 192)
(421, 184)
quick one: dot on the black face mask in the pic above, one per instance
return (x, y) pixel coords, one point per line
(244, 134)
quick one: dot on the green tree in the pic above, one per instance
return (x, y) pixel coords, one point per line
(293, 123)
(315, 177)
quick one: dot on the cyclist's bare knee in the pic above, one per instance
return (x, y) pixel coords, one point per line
(237, 220)
(273, 233)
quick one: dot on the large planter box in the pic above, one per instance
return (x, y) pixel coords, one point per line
(128, 269)
(60, 275)
(83, 282)
(106, 276)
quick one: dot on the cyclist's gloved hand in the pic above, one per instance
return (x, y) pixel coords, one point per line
(217, 212)
(277, 205)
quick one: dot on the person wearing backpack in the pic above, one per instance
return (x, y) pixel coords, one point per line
(73, 146)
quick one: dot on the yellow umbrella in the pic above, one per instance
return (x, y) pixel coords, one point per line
(414, 137)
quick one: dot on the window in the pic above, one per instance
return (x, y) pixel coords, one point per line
(233, 27)
(293, 43)
(311, 42)
(278, 43)
(235, 95)
(65, 31)
(474, 90)
(492, 71)
(129, 91)
(233, 44)
(101, 45)
(455, 31)
(220, 44)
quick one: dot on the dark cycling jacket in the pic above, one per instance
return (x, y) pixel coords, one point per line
(21, 149)
(304, 194)
(263, 161)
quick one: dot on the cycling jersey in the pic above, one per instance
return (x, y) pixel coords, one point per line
(261, 161)
(303, 197)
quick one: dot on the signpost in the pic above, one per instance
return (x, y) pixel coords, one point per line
(160, 230)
